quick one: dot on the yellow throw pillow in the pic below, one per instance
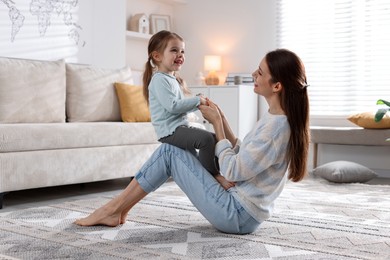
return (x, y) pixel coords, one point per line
(133, 105)
(367, 120)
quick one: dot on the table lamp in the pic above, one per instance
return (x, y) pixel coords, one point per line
(212, 64)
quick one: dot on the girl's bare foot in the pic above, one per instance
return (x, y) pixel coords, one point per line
(224, 183)
(101, 216)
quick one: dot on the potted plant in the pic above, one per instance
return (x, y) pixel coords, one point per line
(382, 111)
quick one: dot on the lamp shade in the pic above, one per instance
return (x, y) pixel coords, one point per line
(212, 63)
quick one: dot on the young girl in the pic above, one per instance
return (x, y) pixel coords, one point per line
(273, 152)
(169, 107)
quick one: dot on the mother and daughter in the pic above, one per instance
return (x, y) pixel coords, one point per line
(237, 196)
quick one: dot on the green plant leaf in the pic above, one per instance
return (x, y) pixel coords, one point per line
(380, 114)
(383, 102)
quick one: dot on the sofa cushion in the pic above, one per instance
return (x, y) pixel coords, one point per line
(32, 91)
(90, 93)
(35, 169)
(133, 105)
(31, 137)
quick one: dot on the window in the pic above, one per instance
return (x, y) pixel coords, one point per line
(345, 46)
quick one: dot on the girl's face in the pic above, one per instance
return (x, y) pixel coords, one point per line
(172, 58)
(262, 80)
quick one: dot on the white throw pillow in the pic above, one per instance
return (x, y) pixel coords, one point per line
(90, 93)
(344, 172)
(32, 91)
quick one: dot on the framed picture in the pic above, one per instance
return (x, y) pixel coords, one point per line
(159, 22)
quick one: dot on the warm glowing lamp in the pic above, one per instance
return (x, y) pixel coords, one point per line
(212, 64)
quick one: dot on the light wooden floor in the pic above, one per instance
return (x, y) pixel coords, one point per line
(47, 196)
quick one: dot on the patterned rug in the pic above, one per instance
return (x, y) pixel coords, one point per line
(313, 220)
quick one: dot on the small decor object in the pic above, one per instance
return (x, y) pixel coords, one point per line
(344, 172)
(199, 79)
(239, 79)
(212, 64)
(139, 23)
(159, 22)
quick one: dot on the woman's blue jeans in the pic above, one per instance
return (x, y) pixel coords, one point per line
(216, 204)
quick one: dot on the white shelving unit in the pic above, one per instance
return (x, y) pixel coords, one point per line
(137, 36)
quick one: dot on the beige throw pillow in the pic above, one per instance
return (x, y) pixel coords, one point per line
(90, 93)
(367, 120)
(32, 91)
(133, 105)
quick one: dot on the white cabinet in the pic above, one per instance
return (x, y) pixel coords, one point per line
(238, 102)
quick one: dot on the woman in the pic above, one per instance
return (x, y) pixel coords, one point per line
(274, 151)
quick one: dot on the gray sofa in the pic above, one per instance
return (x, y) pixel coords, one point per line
(61, 124)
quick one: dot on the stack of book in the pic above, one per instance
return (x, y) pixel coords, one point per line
(239, 79)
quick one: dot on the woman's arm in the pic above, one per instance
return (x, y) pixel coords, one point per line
(226, 127)
(211, 113)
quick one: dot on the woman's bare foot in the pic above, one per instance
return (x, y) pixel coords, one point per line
(116, 210)
(101, 216)
(123, 218)
(224, 183)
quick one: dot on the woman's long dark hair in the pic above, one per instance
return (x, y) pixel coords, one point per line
(287, 68)
(159, 42)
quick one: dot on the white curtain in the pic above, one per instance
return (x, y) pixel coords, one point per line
(345, 46)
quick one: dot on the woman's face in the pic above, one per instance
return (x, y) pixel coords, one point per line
(262, 80)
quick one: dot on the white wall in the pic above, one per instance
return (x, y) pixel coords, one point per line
(240, 31)
(92, 32)
(108, 39)
(236, 32)
(22, 36)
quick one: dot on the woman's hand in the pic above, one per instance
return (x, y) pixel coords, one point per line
(227, 131)
(219, 109)
(210, 112)
(203, 101)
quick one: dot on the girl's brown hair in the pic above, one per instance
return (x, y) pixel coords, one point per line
(287, 68)
(159, 42)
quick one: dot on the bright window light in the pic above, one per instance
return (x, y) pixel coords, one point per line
(345, 46)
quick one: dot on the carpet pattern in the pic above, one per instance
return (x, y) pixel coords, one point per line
(313, 219)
